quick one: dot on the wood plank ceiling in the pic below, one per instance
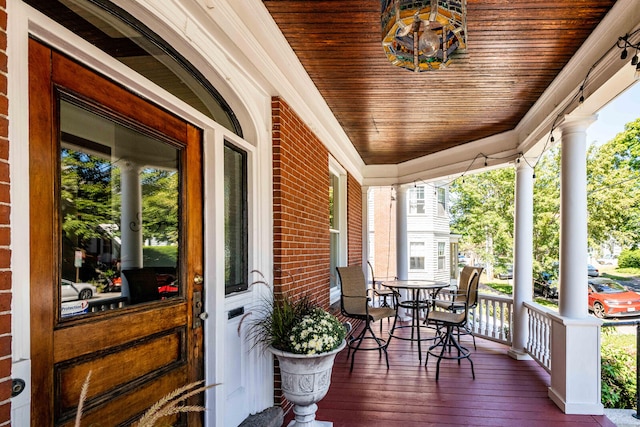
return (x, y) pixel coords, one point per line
(515, 48)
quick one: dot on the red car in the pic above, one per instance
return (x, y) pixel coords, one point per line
(608, 298)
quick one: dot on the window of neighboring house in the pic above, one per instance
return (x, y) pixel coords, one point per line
(441, 256)
(416, 200)
(416, 255)
(453, 264)
(442, 201)
(236, 246)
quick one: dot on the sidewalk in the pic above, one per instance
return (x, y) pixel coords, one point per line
(622, 417)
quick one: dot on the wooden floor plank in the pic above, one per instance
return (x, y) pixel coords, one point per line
(506, 392)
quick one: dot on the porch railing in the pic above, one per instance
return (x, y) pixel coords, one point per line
(107, 304)
(539, 341)
(490, 318)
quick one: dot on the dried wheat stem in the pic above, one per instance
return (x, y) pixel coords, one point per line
(83, 397)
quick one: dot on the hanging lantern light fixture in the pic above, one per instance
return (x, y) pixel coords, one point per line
(422, 35)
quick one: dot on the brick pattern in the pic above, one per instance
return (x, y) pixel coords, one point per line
(5, 235)
(354, 221)
(300, 207)
(301, 214)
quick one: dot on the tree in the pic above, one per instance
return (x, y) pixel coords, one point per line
(482, 212)
(546, 211)
(86, 198)
(160, 205)
(482, 204)
(91, 197)
(614, 188)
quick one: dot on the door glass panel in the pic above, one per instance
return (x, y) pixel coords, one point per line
(119, 210)
(236, 240)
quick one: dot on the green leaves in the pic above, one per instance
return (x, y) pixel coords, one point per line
(482, 204)
(613, 172)
(482, 212)
(618, 370)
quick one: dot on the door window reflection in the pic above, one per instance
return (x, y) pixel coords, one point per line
(119, 210)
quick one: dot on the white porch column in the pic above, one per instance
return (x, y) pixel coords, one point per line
(573, 218)
(522, 259)
(131, 220)
(402, 245)
(575, 336)
(365, 232)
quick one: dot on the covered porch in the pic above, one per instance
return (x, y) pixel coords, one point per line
(505, 392)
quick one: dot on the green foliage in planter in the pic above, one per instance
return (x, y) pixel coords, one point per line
(618, 353)
(297, 326)
(282, 316)
(294, 323)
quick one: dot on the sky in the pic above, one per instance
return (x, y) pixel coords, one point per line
(612, 118)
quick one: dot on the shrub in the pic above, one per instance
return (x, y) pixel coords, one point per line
(618, 362)
(629, 259)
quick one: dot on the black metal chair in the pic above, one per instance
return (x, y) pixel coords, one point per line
(355, 304)
(448, 322)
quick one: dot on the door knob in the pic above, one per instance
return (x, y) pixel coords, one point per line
(198, 279)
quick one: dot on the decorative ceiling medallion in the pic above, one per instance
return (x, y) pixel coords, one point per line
(422, 35)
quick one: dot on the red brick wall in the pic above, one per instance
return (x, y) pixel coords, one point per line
(301, 245)
(300, 213)
(354, 221)
(5, 239)
(384, 234)
(300, 207)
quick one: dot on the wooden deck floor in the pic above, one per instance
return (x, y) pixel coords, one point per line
(505, 392)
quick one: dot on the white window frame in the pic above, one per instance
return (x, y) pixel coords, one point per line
(339, 258)
(442, 255)
(415, 202)
(422, 255)
(442, 204)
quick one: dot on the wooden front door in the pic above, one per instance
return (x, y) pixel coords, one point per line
(116, 248)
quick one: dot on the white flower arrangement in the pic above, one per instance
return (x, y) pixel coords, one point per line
(317, 332)
(295, 325)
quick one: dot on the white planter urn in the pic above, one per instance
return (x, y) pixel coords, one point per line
(305, 381)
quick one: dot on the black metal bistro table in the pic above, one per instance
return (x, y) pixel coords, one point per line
(415, 303)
